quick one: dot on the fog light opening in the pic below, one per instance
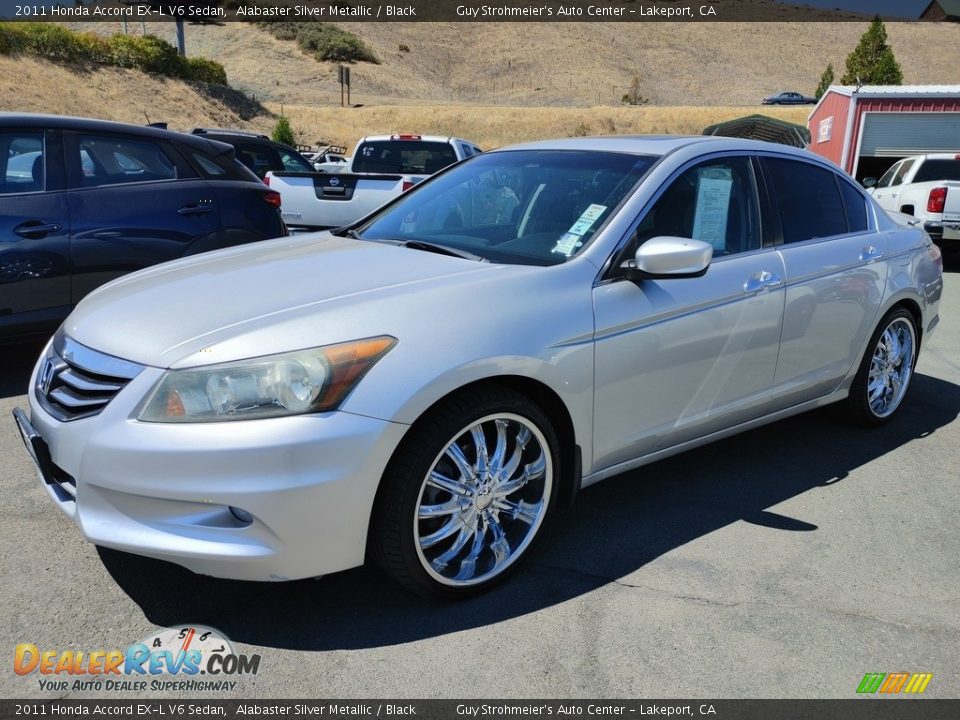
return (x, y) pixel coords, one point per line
(241, 515)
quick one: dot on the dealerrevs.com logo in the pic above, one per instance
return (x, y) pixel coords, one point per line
(182, 653)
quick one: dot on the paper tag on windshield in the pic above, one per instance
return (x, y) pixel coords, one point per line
(567, 244)
(587, 219)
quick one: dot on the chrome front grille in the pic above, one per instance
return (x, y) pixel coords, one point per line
(76, 382)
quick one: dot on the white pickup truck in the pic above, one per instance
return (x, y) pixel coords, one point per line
(383, 166)
(927, 187)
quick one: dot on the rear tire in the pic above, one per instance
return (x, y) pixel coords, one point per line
(466, 494)
(884, 376)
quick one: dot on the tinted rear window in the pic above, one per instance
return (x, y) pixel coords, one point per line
(855, 206)
(403, 157)
(938, 170)
(808, 198)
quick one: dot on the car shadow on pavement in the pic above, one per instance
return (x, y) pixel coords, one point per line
(614, 528)
(16, 364)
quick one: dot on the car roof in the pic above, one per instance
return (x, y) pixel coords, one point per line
(66, 122)
(658, 145)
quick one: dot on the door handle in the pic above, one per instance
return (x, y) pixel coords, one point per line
(199, 209)
(36, 229)
(761, 281)
(870, 253)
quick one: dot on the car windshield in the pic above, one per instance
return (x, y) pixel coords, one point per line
(529, 207)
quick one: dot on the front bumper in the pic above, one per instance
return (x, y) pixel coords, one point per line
(166, 490)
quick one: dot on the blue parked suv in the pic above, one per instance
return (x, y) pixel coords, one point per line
(85, 201)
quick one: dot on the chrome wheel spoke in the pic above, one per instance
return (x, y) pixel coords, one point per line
(452, 526)
(459, 459)
(523, 511)
(500, 547)
(451, 486)
(480, 444)
(441, 561)
(468, 566)
(523, 437)
(441, 509)
(500, 449)
(531, 471)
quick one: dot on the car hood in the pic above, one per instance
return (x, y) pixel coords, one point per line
(264, 298)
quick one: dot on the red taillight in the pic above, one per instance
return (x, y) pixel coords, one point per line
(272, 197)
(406, 137)
(407, 184)
(266, 180)
(937, 200)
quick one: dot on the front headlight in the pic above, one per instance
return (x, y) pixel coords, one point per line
(294, 383)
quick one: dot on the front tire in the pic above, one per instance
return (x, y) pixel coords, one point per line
(466, 494)
(886, 370)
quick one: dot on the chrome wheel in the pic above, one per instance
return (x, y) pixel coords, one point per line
(891, 367)
(483, 500)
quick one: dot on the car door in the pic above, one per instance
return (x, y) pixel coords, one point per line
(680, 358)
(34, 232)
(886, 191)
(134, 202)
(835, 276)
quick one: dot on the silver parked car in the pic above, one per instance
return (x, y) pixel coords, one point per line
(428, 385)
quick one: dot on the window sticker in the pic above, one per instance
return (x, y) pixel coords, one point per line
(714, 187)
(567, 244)
(587, 219)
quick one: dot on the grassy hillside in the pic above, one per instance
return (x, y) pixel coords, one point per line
(564, 64)
(32, 85)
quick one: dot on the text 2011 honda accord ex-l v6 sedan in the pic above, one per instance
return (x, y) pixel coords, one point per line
(425, 387)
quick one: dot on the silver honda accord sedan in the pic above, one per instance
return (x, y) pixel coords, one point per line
(424, 388)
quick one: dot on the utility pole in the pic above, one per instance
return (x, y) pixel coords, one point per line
(181, 40)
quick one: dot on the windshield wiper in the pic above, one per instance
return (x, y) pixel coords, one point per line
(442, 249)
(348, 233)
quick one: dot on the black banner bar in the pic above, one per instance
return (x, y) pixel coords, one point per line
(424, 11)
(893, 708)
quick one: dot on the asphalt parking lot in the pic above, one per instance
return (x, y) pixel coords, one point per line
(786, 562)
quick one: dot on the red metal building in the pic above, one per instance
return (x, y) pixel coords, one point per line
(865, 130)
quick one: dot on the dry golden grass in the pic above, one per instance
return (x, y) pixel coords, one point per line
(496, 126)
(564, 64)
(32, 85)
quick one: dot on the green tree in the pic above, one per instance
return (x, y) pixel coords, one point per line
(872, 61)
(826, 80)
(282, 132)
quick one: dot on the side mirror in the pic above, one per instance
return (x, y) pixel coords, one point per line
(869, 182)
(669, 257)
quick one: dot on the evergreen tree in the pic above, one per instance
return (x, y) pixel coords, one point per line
(872, 61)
(826, 80)
(282, 132)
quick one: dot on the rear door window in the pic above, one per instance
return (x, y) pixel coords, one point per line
(808, 199)
(107, 160)
(403, 157)
(21, 162)
(855, 207)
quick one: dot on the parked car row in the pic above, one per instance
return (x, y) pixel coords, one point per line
(428, 384)
(85, 201)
